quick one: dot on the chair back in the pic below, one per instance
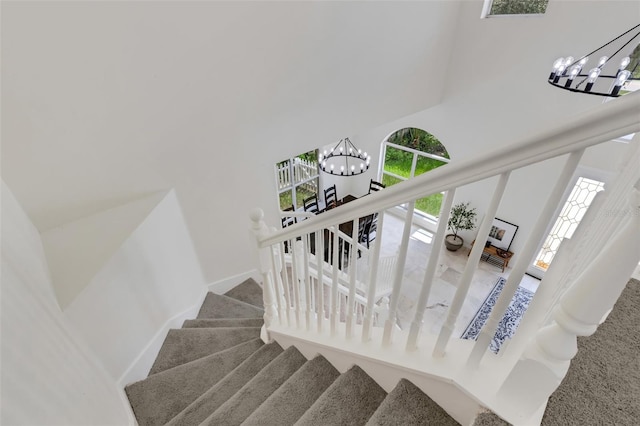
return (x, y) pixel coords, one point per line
(375, 186)
(330, 197)
(288, 221)
(363, 225)
(311, 204)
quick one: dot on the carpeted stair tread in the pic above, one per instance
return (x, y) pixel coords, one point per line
(158, 398)
(602, 385)
(408, 405)
(351, 400)
(221, 306)
(296, 395)
(218, 394)
(235, 410)
(249, 292)
(187, 344)
(223, 322)
(491, 419)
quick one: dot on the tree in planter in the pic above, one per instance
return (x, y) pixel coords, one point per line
(462, 218)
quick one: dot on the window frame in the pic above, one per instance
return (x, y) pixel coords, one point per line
(294, 184)
(421, 218)
(488, 5)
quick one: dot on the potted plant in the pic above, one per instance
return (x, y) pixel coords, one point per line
(462, 217)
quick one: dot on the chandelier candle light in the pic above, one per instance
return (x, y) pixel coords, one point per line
(344, 159)
(617, 66)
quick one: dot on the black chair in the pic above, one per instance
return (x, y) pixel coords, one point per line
(372, 228)
(311, 204)
(375, 186)
(330, 197)
(290, 220)
(363, 224)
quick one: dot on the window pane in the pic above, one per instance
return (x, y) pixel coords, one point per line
(398, 162)
(424, 164)
(574, 209)
(518, 7)
(285, 200)
(305, 190)
(430, 205)
(388, 180)
(419, 140)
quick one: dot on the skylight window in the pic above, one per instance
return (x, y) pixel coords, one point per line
(515, 7)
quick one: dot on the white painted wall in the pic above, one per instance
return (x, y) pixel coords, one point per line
(48, 376)
(106, 102)
(151, 283)
(76, 251)
(497, 94)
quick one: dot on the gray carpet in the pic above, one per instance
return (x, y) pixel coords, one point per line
(350, 400)
(220, 306)
(602, 386)
(296, 395)
(187, 344)
(223, 322)
(215, 371)
(257, 390)
(489, 419)
(249, 292)
(215, 396)
(603, 382)
(162, 396)
(408, 405)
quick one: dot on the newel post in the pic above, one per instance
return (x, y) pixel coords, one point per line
(546, 360)
(260, 230)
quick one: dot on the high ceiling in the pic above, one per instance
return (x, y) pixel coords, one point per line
(105, 102)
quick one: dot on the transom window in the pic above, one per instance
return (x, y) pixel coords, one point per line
(411, 152)
(297, 179)
(515, 7)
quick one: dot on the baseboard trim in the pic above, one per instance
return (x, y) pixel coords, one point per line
(226, 284)
(140, 367)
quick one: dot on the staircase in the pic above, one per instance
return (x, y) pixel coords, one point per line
(216, 370)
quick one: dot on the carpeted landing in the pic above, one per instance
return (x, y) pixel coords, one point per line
(215, 370)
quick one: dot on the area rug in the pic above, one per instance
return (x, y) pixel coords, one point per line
(510, 320)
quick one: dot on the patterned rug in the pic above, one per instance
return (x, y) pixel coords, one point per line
(510, 320)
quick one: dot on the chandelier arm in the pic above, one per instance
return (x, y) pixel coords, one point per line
(608, 43)
(623, 46)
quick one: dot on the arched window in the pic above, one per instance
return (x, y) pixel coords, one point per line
(411, 152)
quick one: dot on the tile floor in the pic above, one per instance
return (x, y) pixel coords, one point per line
(449, 270)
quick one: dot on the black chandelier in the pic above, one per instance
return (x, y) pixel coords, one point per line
(344, 159)
(617, 66)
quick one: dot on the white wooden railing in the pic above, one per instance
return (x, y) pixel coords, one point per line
(576, 292)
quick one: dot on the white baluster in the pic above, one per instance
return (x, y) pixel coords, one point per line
(390, 324)
(286, 285)
(307, 282)
(547, 358)
(320, 286)
(383, 312)
(374, 259)
(472, 264)
(334, 285)
(277, 283)
(260, 230)
(525, 256)
(295, 269)
(352, 278)
(438, 241)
